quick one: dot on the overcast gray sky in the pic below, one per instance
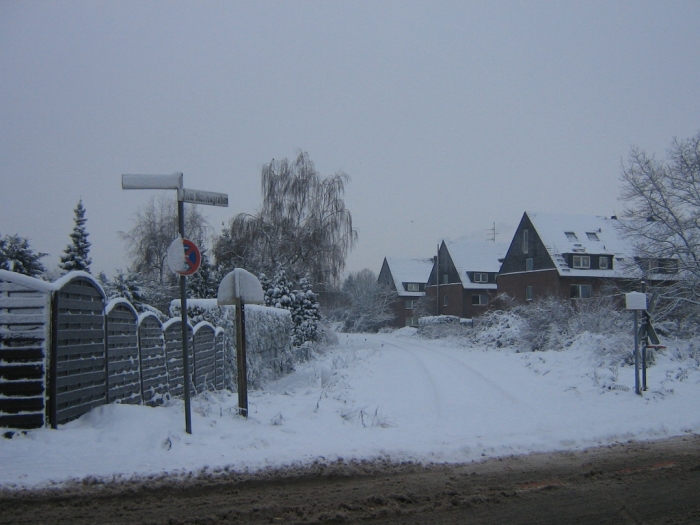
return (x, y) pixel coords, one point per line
(448, 116)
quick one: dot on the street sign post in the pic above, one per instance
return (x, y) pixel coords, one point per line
(174, 181)
(637, 301)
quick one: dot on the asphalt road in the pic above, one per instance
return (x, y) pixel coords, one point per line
(632, 483)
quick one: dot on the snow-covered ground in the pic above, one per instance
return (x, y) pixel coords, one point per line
(384, 396)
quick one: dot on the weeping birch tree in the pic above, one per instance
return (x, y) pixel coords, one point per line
(303, 225)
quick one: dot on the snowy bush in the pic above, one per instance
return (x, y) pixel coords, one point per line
(440, 326)
(497, 328)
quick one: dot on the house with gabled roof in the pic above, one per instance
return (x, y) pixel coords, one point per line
(464, 276)
(573, 257)
(407, 277)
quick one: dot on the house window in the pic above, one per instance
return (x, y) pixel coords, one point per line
(444, 300)
(582, 261)
(592, 236)
(529, 264)
(668, 266)
(411, 321)
(526, 241)
(571, 236)
(412, 287)
(445, 279)
(528, 293)
(580, 291)
(480, 299)
(411, 304)
(481, 277)
(603, 263)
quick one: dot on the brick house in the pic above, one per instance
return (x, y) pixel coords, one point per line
(465, 280)
(570, 256)
(407, 277)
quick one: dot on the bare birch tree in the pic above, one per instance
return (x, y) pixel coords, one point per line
(371, 303)
(663, 212)
(155, 228)
(303, 225)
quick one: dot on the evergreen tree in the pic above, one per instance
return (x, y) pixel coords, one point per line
(204, 284)
(17, 256)
(77, 254)
(305, 313)
(302, 304)
(126, 285)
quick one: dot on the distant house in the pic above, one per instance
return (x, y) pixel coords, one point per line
(407, 277)
(573, 257)
(464, 276)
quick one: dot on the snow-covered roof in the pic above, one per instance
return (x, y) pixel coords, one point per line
(407, 270)
(476, 256)
(586, 234)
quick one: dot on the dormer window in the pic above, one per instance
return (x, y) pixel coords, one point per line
(481, 277)
(582, 261)
(603, 263)
(571, 236)
(412, 287)
(592, 236)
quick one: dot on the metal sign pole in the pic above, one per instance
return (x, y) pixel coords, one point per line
(175, 182)
(636, 353)
(185, 332)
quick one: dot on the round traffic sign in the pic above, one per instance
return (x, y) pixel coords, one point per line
(184, 257)
(193, 258)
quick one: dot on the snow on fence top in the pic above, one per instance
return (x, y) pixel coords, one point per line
(63, 351)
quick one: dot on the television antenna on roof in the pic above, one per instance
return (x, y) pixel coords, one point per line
(492, 233)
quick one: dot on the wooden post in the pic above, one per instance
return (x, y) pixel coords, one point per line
(241, 359)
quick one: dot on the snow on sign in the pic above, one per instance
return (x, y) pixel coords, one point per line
(209, 198)
(184, 257)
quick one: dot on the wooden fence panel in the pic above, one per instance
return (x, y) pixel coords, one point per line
(154, 372)
(219, 359)
(172, 332)
(204, 358)
(79, 361)
(123, 367)
(23, 334)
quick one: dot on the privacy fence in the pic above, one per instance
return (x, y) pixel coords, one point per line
(65, 350)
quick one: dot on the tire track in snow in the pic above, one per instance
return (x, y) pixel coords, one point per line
(435, 392)
(423, 349)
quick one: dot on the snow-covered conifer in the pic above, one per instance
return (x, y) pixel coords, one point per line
(77, 254)
(126, 285)
(204, 284)
(17, 256)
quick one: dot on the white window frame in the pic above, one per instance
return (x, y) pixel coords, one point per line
(571, 236)
(411, 321)
(592, 236)
(445, 279)
(412, 287)
(480, 277)
(526, 240)
(444, 300)
(603, 263)
(529, 264)
(528, 293)
(581, 260)
(411, 304)
(579, 294)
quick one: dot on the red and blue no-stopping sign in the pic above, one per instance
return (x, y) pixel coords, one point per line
(193, 258)
(184, 258)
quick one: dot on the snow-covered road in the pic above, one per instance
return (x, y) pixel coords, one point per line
(381, 396)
